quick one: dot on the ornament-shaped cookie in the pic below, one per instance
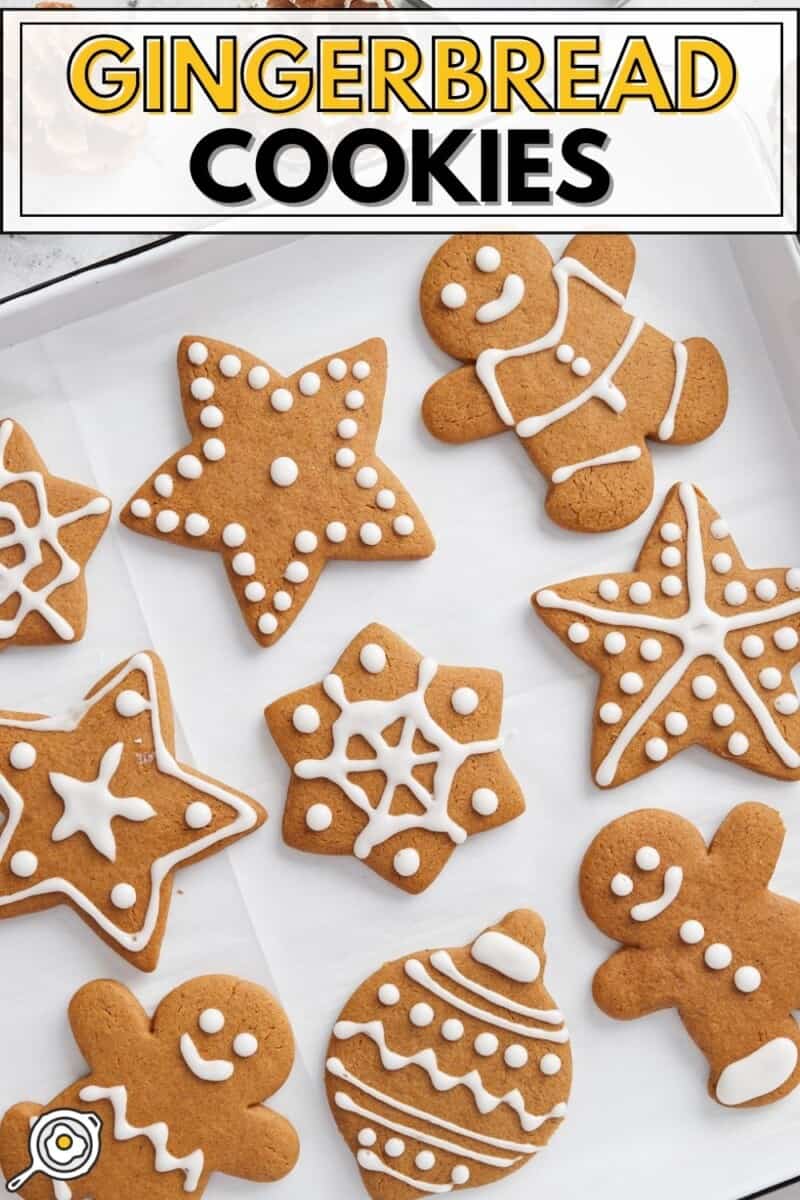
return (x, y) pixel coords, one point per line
(692, 647)
(551, 353)
(394, 759)
(702, 933)
(451, 1068)
(178, 1097)
(281, 476)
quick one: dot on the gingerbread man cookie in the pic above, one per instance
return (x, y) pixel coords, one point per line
(702, 933)
(100, 813)
(451, 1068)
(692, 646)
(394, 759)
(281, 475)
(50, 527)
(551, 353)
(179, 1097)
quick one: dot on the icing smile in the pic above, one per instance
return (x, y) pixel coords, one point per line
(509, 299)
(673, 881)
(211, 1070)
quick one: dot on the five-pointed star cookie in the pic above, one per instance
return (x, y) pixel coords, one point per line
(692, 646)
(100, 813)
(394, 759)
(49, 528)
(281, 475)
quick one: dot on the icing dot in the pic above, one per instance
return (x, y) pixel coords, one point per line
(488, 258)
(752, 646)
(123, 895)
(367, 1137)
(234, 534)
(202, 388)
(608, 589)
(738, 744)
(719, 529)
(283, 471)
(255, 591)
(785, 638)
(656, 749)
(747, 979)
(211, 1021)
(305, 542)
(581, 366)
(337, 369)
(610, 713)
(388, 994)
(453, 295)
(735, 593)
(622, 885)
(723, 714)
(347, 428)
(140, 508)
(651, 650)
(319, 818)
(670, 532)
(421, 1015)
(336, 531)
(128, 704)
(243, 563)
(631, 683)
(486, 1044)
(345, 457)
(366, 477)
(484, 801)
(267, 623)
(167, 520)
(460, 1174)
(372, 658)
(214, 449)
(770, 678)
(722, 563)
(361, 369)
(578, 632)
(515, 1056)
(197, 353)
(691, 932)
(425, 1160)
(614, 643)
(464, 701)
(296, 572)
(196, 524)
(766, 589)
(211, 417)
(23, 755)
(197, 815)
(647, 858)
(565, 353)
(385, 498)
(370, 533)
(403, 525)
(676, 724)
(258, 377)
(24, 863)
(718, 956)
(245, 1045)
(550, 1064)
(640, 592)
(671, 585)
(354, 399)
(452, 1030)
(671, 556)
(281, 399)
(230, 365)
(282, 601)
(406, 862)
(310, 383)
(394, 1147)
(163, 485)
(306, 719)
(787, 704)
(704, 687)
(793, 579)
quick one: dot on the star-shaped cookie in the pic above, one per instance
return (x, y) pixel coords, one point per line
(100, 813)
(49, 528)
(693, 646)
(394, 759)
(281, 475)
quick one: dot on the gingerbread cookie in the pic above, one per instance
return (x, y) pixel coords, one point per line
(100, 813)
(451, 1068)
(280, 476)
(50, 527)
(394, 759)
(692, 646)
(702, 933)
(178, 1097)
(551, 353)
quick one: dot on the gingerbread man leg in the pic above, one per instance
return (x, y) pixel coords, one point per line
(602, 496)
(766, 1066)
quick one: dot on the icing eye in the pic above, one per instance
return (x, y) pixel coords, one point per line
(487, 259)
(647, 858)
(245, 1045)
(211, 1020)
(622, 885)
(453, 295)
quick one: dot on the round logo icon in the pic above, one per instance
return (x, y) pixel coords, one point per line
(63, 1144)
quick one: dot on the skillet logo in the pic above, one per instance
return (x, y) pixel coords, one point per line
(63, 1144)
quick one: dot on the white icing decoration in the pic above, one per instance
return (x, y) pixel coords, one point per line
(464, 701)
(258, 377)
(345, 457)
(310, 383)
(650, 909)
(647, 858)
(189, 466)
(610, 713)
(245, 1045)
(354, 399)
(671, 585)
(167, 521)
(90, 806)
(319, 818)
(337, 369)
(267, 623)
(608, 589)
(759, 1073)
(394, 1148)
(157, 1135)
(580, 366)
(735, 593)
(484, 802)
(385, 499)
(786, 638)
(201, 388)
(22, 756)
(130, 703)
(719, 529)
(243, 563)
(196, 524)
(210, 1070)
(506, 956)
(197, 353)
(704, 687)
(24, 864)
(667, 426)
(283, 471)
(565, 353)
(214, 449)
(722, 563)
(211, 1021)
(443, 963)
(452, 1029)
(305, 542)
(459, 1174)
(738, 744)
(366, 477)
(670, 532)
(770, 678)
(361, 369)
(367, 1137)
(515, 1056)
(406, 862)
(370, 533)
(626, 454)
(676, 724)
(306, 719)
(388, 994)
(372, 658)
(123, 896)
(198, 815)
(425, 1160)
(656, 749)
(621, 885)
(691, 932)
(640, 592)
(550, 1064)
(509, 299)
(723, 715)
(282, 601)
(296, 572)
(614, 643)
(671, 556)
(403, 525)
(747, 979)
(336, 531)
(230, 365)
(421, 1015)
(793, 579)
(368, 1160)
(234, 534)
(140, 508)
(787, 704)
(631, 683)
(281, 399)
(347, 428)
(752, 646)
(718, 956)
(486, 1044)
(651, 650)
(487, 259)
(453, 295)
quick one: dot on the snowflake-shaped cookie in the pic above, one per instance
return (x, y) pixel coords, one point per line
(394, 759)
(692, 646)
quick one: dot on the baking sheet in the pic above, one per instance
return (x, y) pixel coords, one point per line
(100, 397)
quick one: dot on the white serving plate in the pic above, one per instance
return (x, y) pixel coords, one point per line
(99, 395)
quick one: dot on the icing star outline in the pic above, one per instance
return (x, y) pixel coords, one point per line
(280, 475)
(119, 881)
(692, 647)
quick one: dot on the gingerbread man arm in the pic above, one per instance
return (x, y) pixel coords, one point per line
(748, 843)
(612, 256)
(102, 1013)
(457, 408)
(263, 1146)
(630, 984)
